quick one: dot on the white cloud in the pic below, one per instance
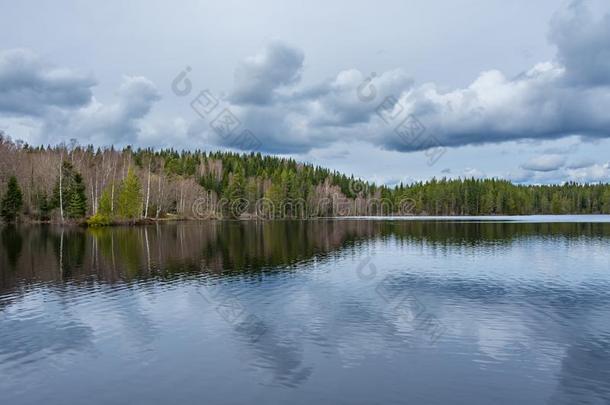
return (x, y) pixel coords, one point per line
(545, 102)
(593, 173)
(470, 172)
(580, 163)
(520, 176)
(565, 97)
(544, 163)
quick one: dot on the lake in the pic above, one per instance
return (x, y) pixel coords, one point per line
(349, 311)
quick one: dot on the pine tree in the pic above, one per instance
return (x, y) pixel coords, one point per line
(235, 194)
(44, 207)
(77, 198)
(236, 187)
(73, 195)
(130, 197)
(12, 201)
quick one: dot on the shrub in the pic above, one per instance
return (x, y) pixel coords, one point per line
(98, 220)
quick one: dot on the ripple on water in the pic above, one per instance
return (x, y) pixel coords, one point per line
(471, 313)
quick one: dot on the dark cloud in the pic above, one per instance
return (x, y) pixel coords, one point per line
(537, 105)
(257, 77)
(566, 96)
(583, 44)
(29, 86)
(61, 101)
(117, 123)
(546, 102)
(296, 120)
(553, 99)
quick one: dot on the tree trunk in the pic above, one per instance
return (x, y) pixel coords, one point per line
(147, 191)
(112, 189)
(61, 197)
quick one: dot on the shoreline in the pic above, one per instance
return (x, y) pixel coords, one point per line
(540, 218)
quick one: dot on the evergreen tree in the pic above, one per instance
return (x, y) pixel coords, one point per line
(287, 183)
(66, 180)
(236, 187)
(12, 201)
(77, 202)
(44, 207)
(129, 204)
(235, 194)
(73, 195)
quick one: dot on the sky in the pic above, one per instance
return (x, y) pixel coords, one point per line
(390, 91)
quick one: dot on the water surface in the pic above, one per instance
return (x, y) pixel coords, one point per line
(323, 311)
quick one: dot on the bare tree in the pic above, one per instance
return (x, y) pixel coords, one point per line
(147, 189)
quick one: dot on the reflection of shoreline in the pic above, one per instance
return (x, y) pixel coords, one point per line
(561, 218)
(42, 254)
(48, 253)
(542, 219)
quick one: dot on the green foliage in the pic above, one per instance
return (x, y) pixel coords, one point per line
(77, 203)
(501, 197)
(275, 194)
(98, 220)
(129, 204)
(44, 206)
(105, 203)
(73, 196)
(235, 193)
(228, 178)
(12, 201)
(104, 216)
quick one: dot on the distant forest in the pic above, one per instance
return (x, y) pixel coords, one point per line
(104, 185)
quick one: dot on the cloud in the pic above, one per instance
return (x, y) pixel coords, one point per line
(551, 169)
(289, 118)
(544, 163)
(298, 119)
(579, 164)
(470, 172)
(30, 86)
(583, 44)
(568, 95)
(58, 103)
(563, 97)
(594, 173)
(520, 176)
(258, 77)
(553, 99)
(117, 123)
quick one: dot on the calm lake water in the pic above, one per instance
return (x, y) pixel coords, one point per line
(324, 311)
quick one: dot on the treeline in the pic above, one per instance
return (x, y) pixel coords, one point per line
(104, 185)
(74, 183)
(501, 197)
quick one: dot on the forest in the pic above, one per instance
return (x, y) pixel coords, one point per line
(77, 184)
